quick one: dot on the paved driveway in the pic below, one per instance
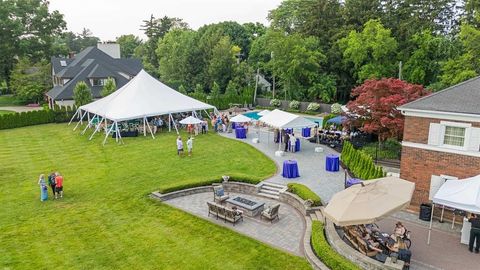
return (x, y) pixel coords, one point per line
(21, 108)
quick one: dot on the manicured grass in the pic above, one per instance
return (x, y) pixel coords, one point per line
(5, 112)
(326, 253)
(106, 220)
(9, 100)
(305, 193)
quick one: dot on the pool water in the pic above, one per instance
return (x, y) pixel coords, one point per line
(254, 115)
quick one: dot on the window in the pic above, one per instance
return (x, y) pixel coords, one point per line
(97, 82)
(454, 136)
(63, 63)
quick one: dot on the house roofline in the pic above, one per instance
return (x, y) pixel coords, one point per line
(440, 114)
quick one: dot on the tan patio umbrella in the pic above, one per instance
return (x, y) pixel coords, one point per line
(374, 201)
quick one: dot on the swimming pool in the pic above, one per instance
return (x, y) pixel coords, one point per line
(254, 115)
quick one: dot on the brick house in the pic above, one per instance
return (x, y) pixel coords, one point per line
(441, 139)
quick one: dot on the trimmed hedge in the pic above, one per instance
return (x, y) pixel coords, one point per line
(233, 178)
(45, 116)
(305, 193)
(326, 253)
(360, 163)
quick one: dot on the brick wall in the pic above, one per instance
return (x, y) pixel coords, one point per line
(416, 128)
(418, 165)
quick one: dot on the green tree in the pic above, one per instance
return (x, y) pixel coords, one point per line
(109, 87)
(82, 94)
(27, 28)
(30, 81)
(128, 44)
(220, 67)
(358, 12)
(182, 89)
(215, 92)
(199, 89)
(372, 51)
(232, 89)
(324, 90)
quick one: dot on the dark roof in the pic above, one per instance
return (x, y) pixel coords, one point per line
(92, 63)
(461, 98)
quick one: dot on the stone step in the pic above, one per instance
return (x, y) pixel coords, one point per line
(313, 217)
(268, 195)
(268, 191)
(319, 215)
(274, 185)
(264, 187)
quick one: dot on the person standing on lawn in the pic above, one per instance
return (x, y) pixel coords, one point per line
(190, 145)
(59, 185)
(43, 188)
(52, 183)
(179, 146)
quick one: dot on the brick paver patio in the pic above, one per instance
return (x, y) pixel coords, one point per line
(286, 233)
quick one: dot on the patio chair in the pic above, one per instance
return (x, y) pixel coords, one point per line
(219, 194)
(363, 248)
(271, 213)
(233, 215)
(212, 209)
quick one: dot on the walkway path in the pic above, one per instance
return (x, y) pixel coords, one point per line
(286, 233)
(20, 108)
(311, 165)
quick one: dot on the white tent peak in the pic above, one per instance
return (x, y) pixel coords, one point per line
(281, 119)
(143, 96)
(240, 119)
(460, 194)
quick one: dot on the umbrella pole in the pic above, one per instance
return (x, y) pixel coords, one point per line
(430, 227)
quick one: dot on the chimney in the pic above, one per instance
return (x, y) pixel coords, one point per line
(110, 48)
(71, 55)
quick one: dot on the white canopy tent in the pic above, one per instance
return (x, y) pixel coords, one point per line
(280, 119)
(458, 194)
(142, 97)
(190, 121)
(240, 119)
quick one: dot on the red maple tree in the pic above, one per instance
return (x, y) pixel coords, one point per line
(374, 109)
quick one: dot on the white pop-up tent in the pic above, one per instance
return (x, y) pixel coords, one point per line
(142, 97)
(458, 194)
(240, 119)
(281, 119)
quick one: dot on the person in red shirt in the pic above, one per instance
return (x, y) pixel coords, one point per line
(59, 185)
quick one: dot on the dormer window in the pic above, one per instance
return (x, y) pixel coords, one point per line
(98, 81)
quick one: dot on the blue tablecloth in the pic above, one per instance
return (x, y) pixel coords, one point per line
(289, 130)
(352, 181)
(233, 125)
(306, 132)
(297, 145)
(332, 163)
(290, 169)
(240, 133)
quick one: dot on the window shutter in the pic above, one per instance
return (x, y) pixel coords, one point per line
(474, 140)
(434, 134)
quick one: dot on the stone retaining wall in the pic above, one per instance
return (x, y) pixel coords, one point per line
(180, 193)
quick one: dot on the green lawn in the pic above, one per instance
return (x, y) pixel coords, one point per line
(5, 112)
(8, 100)
(106, 220)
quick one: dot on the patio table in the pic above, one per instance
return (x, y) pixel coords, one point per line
(306, 132)
(332, 163)
(290, 169)
(233, 125)
(240, 133)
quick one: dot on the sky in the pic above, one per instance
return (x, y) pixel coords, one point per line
(108, 19)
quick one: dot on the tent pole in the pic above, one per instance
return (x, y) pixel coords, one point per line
(105, 125)
(88, 118)
(96, 129)
(119, 135)
(144, 128)
(108, 133)
(88, 125)
(208, 115)
(169, 122)
(148, 125)
(441, 215)
(430, 227)
(81, 117)
(116, 131)
(75, 114)
(175, 125)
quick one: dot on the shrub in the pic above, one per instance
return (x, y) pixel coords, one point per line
(275, 103)
(109, 87)
(336, 108)
(313, 107)
(326, 253)
(15, 120)
(82, 94)
(233, 178)
(294, 105)
(360, 163)
(305, 193)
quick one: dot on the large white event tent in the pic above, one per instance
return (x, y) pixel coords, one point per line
(142, 97)
(458, 194)
(281, 119)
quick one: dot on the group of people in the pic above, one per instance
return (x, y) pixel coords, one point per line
(180, 146)
(220, 123)
(289, 139)
(55, 181)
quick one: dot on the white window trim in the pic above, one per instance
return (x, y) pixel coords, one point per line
(466, 139)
